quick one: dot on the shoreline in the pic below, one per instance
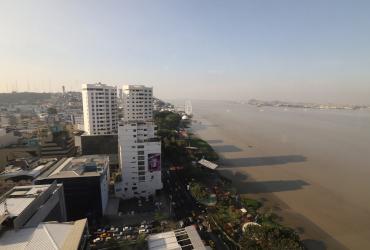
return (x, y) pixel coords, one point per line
(312, 236)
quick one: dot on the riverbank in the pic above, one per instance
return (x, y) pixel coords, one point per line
(278, 181)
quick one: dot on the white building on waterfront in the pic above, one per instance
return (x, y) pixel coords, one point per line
(139, 149)
(99, 109)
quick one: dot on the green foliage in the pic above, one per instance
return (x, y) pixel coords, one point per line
(205, 149)
(196, 173)
(167, 120)
(250, 203)
(266, 237)
(173, 148)
(158, 216)
(167, 123)
(269, 219)
(52, 111)
(141, 242)
(225, 214)
(199, 191)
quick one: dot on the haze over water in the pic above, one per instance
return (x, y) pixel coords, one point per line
(311, 166)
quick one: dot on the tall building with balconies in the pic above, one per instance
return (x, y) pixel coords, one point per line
(100, 109)
(139, 148)
(137, 103)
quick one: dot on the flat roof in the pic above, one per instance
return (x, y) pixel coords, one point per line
(36, 168)
(19, 197)
(46, 236)
(83, 166)
(176, 240)
(208, 164)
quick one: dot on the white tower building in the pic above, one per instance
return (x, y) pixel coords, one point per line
(137, 103)
(100, 109)
(139, 149)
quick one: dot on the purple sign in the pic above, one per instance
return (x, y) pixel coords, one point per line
(154, 162)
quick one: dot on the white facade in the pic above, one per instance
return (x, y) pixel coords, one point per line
(100, 109)
(104, 187)
(139, 149)
(137, 103)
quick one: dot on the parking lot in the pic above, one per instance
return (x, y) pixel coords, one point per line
(126, 234)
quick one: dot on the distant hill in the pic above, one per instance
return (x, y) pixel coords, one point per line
(23, 97)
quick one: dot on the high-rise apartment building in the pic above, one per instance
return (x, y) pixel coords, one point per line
(139, 148)
(100, 109)
(137, 103)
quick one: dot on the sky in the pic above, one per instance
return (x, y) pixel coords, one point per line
(313, 50)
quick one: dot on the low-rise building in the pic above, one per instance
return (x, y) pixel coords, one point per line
(48, 235)
(27, 169)
(86, 184)
(183, 238)
(27, 206)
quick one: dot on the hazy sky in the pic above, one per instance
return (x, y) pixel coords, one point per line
(290, 50)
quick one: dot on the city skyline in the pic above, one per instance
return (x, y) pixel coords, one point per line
(310, 51)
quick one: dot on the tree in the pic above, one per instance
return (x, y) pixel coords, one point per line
(198, 191)
(52, 111)
(158, 216)
(267, 237)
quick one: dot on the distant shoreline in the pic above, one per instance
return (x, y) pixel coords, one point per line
(282, 104)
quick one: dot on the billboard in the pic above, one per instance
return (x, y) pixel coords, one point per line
(154, 162)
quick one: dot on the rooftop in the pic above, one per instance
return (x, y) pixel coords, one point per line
(97, 85)
(48, 235)
(18, 199)
(83, 166)
(208, 164)
(125, 87)
(33, 170)
(185, 238)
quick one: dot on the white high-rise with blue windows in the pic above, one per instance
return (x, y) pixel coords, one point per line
(139, 148)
